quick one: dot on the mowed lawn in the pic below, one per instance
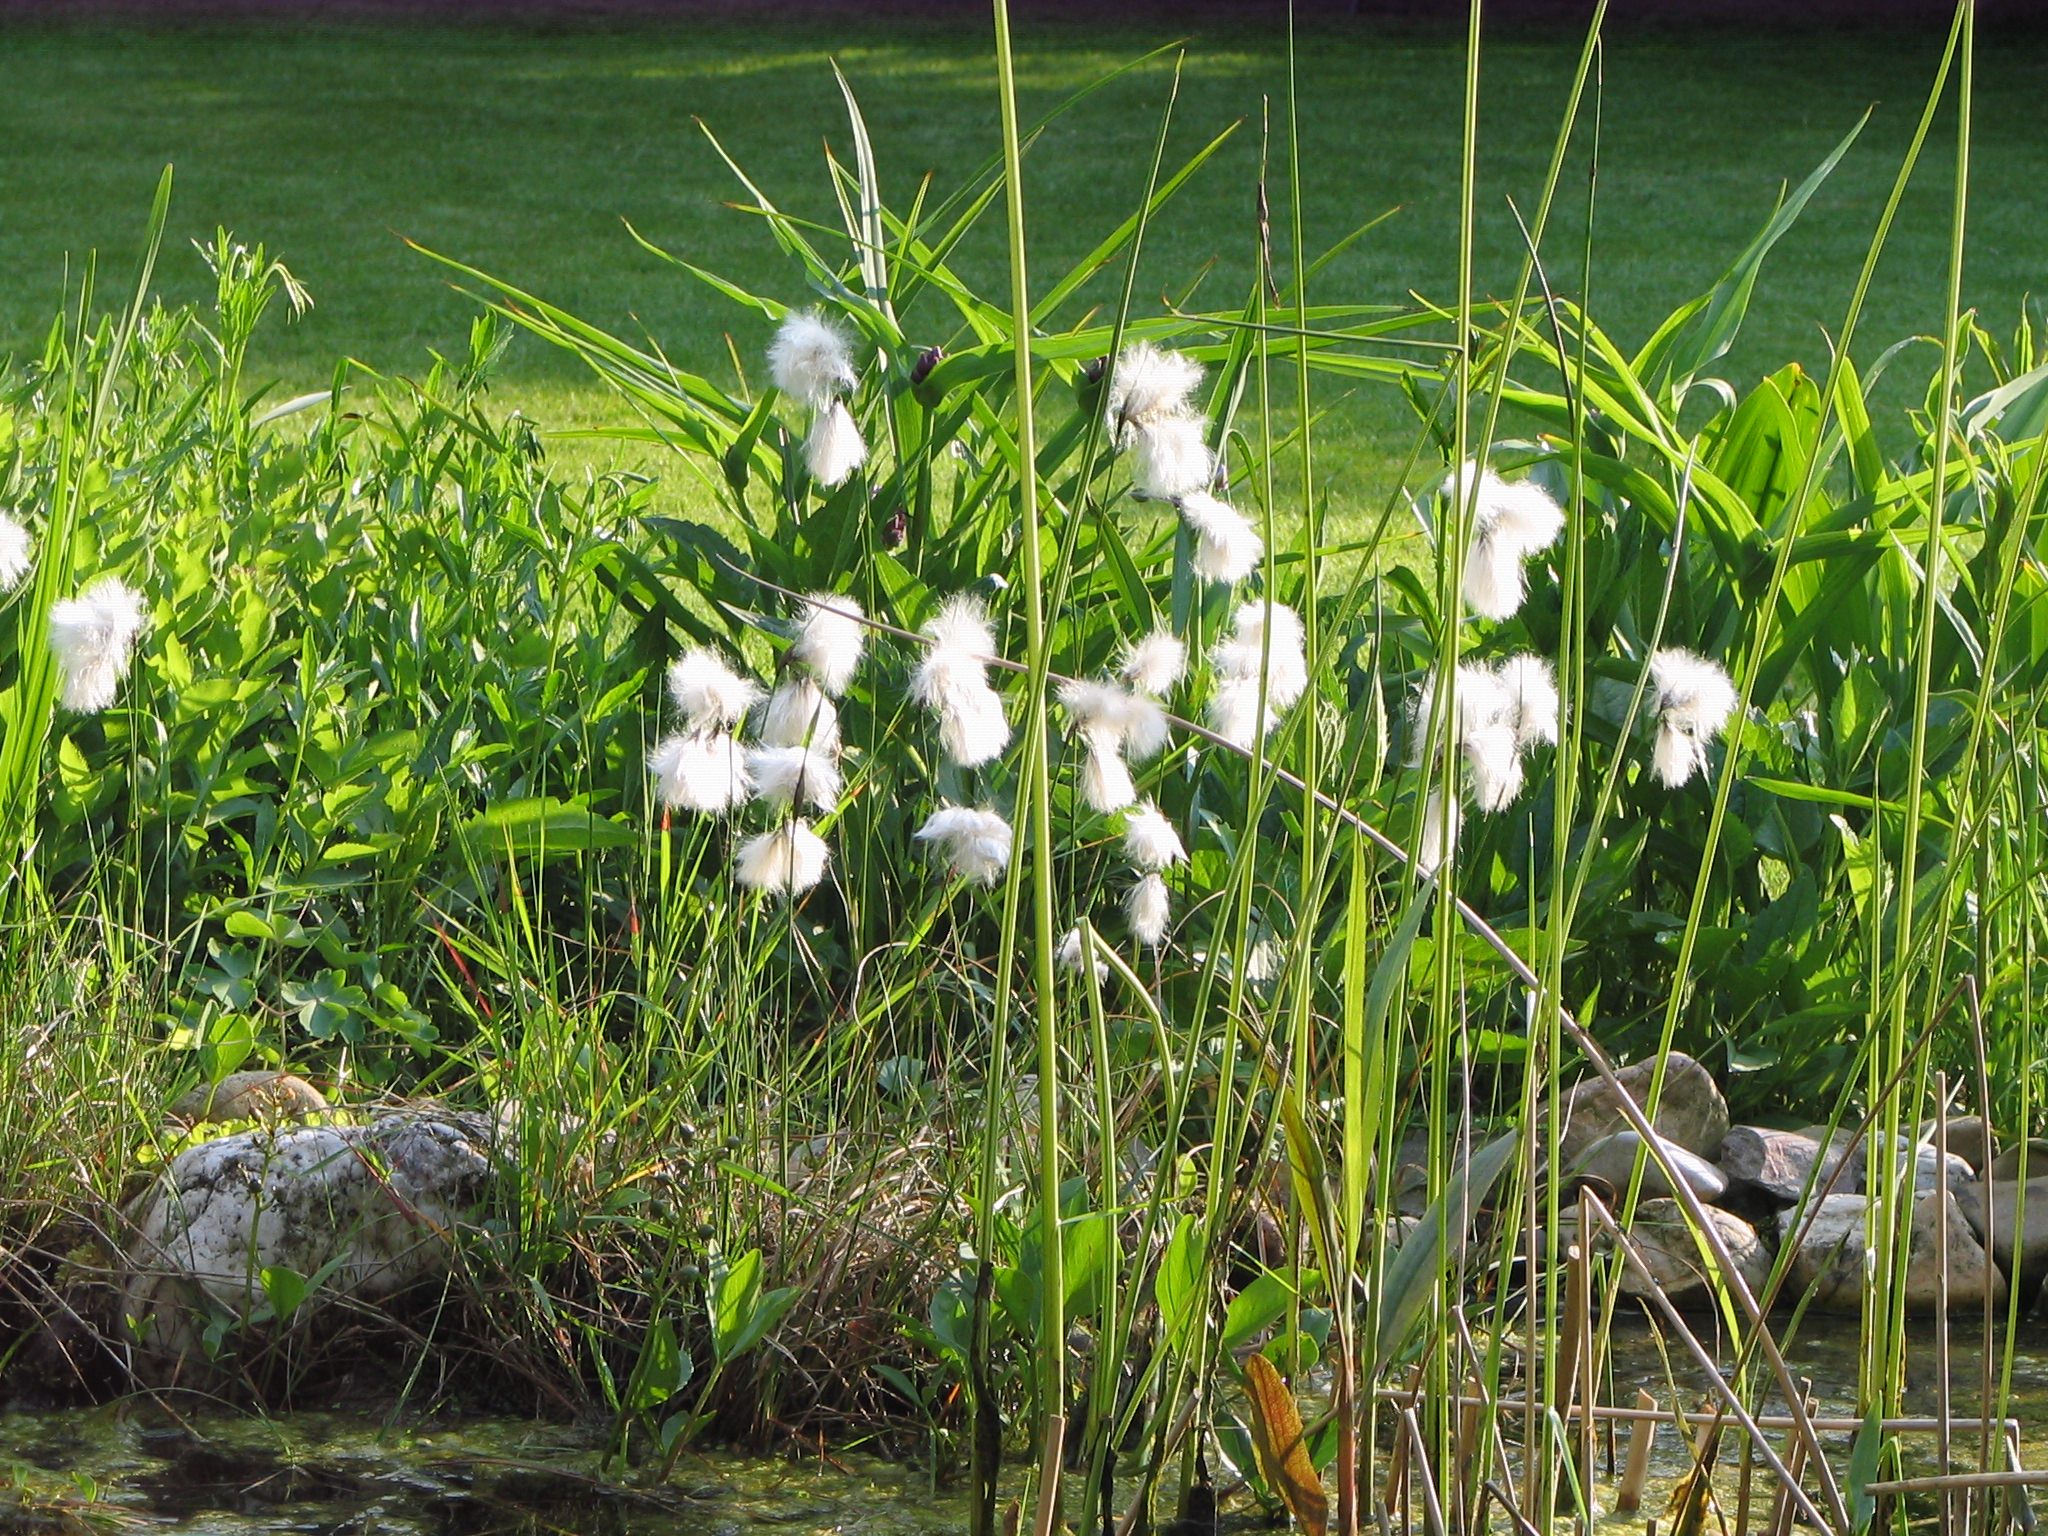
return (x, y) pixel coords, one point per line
(521, 150)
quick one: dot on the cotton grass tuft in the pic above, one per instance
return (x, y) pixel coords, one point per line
(1155, 664)
(1694, 699)
(92, 637)
(810, 360)
(704, 772)
(829, 640)
(974, 842)
(952, 682)
(785, 775)
(1511, 522)
(709, 694)
(17, 553)
(1070, 953)
(1150, 841)
(1262, 655)
(1227, 547)
(787, 860)
(834, 449)
(798, 714)
(1148, 907)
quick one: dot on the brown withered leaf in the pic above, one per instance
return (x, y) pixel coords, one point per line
(1692, 1500)
(1278, 1438)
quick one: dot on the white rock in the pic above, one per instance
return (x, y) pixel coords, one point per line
(365, 1209)
(1671, 1257)
(1830, 1255)
(1612, 1160)
(1925, 1166)
(1690, 1109)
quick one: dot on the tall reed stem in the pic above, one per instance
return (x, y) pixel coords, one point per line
(1035, 800)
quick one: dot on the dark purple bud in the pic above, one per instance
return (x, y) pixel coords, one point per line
(927, 360)
(1093, 371)
(896, 531)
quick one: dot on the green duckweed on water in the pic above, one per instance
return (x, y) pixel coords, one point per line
(137, 1465)
(215, 1474)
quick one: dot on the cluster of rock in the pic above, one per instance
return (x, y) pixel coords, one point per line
(1807, 1192)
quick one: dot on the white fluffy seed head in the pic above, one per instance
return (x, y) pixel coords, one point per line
(1529, 691)
(1105, 778)
(1156, 663)
(1070, 953)
(1675, 756)
(798, 714)
(785, 775)
(1693, 689)
(1150, 841)
(1511, 521)
(1170, 459)
(1694, 699)
(1524, 515)
(92, 638)
(974, 841)
(1238, 656)
(972, 726)
(1147, 384)
(1495, 766)
(1439, 833)
(1494, 586)
(785, 861)
(1149, 908)
(952, 682)
(960, 630)
(829, 640)
(704, 772)
(1146, 729)
(1134, 722)
(834, 449)
(1092, 705)
(1233, 711)
(1480, 702)
(810, 359)
(17, 553)
(709, 694)
(1227, 547)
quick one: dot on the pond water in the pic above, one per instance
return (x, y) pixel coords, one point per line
(334, 1474)
(134, 1466)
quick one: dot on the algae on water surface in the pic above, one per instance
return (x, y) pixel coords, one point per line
(221, 1475)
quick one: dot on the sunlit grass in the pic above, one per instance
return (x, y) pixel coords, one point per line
(521, 150)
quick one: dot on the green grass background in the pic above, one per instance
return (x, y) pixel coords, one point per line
(520, 149)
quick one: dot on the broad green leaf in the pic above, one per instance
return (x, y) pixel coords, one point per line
(542, 825)
(1432, 1249)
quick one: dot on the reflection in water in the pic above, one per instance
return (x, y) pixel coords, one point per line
(114, 1469)
(340, 1475)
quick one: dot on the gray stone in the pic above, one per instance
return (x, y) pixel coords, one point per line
(363, 1210)
(265, 1096)
(1779, 1163)
(2017, 1230)
(1829, 1260)
(1669, 1257)
(1690, 1110)
(1925, 1167)
(1612, 1160)
(1969, 1137)
(2005, 1167)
